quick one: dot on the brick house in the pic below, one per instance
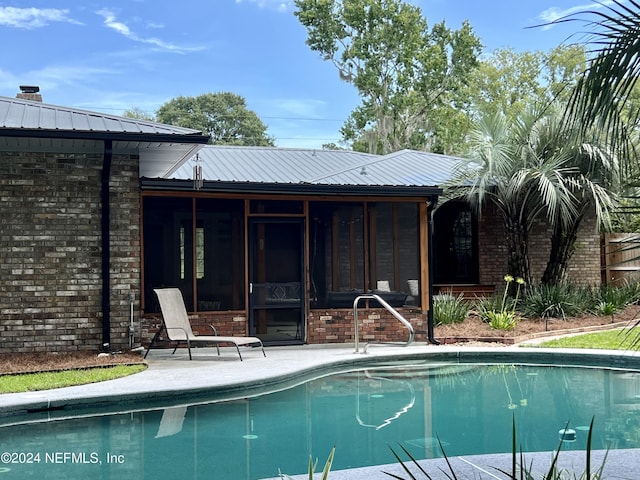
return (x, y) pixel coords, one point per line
(70, 210)
(98, 210)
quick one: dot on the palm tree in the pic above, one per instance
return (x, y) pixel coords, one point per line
(593, 181)
(537, 168)
(601, 97)
(506, 168)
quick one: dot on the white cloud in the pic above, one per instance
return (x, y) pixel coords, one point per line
(30, 18)
(279, 5)
(294, 107)
(554, 13)
(112, 22)
(64, 77)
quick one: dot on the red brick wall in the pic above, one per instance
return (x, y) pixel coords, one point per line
(336, 326)
(324, 326)
(584, 267)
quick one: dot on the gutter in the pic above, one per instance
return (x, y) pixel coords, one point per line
(106, 246)
(105, 136)
(260, 188)
(430, 322)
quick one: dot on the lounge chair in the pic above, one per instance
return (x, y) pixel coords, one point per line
(176, 323)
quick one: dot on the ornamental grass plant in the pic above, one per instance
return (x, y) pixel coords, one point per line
(448, 309)
(504, 317)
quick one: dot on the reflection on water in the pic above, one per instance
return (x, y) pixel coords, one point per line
(469, 407)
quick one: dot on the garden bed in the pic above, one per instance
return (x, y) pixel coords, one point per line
(45, 362)
(473, 329)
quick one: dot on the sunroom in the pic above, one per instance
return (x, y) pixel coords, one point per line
(277, 243)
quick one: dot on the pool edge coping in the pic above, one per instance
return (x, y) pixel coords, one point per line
(56, 404)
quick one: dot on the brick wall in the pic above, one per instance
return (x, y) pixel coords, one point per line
(337, 326)
(50, 250)
(228, 323)
(584, 267)
(323, 326)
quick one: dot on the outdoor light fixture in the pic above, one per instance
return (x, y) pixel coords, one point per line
(197, 173)
(567, 435)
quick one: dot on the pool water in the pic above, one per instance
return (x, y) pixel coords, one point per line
(469, 407)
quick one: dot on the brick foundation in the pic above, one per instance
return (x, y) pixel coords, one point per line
(323, 326)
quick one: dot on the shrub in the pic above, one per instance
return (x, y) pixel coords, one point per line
(500, 312)
(632, 291)
(557, 301)
(485, 305)
(448, 309)
(619, 296)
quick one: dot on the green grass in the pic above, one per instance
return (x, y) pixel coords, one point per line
(619, 339)
(29, 382)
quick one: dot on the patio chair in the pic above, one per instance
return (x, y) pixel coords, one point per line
(175, 322)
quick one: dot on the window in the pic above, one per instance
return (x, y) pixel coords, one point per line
(205, 250)
(355, 245)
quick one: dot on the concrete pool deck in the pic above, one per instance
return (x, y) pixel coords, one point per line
(174, 380)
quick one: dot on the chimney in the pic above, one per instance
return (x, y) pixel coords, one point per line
(30, 92)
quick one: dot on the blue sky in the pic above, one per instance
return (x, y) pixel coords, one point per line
(112, 55)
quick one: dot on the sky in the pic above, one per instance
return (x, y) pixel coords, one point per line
(109, 56)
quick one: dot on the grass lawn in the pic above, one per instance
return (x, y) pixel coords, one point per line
(619, 339)
(29, 382)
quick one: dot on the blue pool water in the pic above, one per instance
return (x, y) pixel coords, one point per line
(470, 407)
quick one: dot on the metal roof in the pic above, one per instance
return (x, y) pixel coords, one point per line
(31, 126)
(19, 118)
(269, 165)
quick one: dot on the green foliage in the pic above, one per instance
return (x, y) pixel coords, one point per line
(604, 96)
(632, 291)
(484, 305)
(406, 73)
(29, 382)
(139, 113)
(611, 299)
(223, 116)
(606, 308)
(500, 312)
(519, 470)
(509, 82)
(449, 309)
(312, 467)
(502, 320)
(557, 301)
(609, 340)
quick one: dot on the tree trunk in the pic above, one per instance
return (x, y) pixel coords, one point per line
(563, 242)
(517, 238)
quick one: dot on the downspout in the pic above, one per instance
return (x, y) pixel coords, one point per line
(106, 250)
(430, 208)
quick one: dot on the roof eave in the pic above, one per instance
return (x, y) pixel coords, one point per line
(159, 184)
(96, 135)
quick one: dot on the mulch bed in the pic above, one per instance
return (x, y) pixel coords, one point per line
(473, 329)
(12, 363)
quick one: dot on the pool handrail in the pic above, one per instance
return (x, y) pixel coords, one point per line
(396, 415)
(390, 309)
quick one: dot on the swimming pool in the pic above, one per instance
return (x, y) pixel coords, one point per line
(470, 407)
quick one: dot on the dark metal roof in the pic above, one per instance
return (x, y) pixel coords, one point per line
(24, 118)
(309, 171)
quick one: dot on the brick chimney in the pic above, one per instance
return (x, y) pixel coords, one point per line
(30, 92)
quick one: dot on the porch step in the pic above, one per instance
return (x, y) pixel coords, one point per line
(468, 292)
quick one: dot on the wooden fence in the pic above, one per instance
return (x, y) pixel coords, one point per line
(620, 257)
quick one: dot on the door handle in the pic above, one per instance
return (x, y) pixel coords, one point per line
(250, 288)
